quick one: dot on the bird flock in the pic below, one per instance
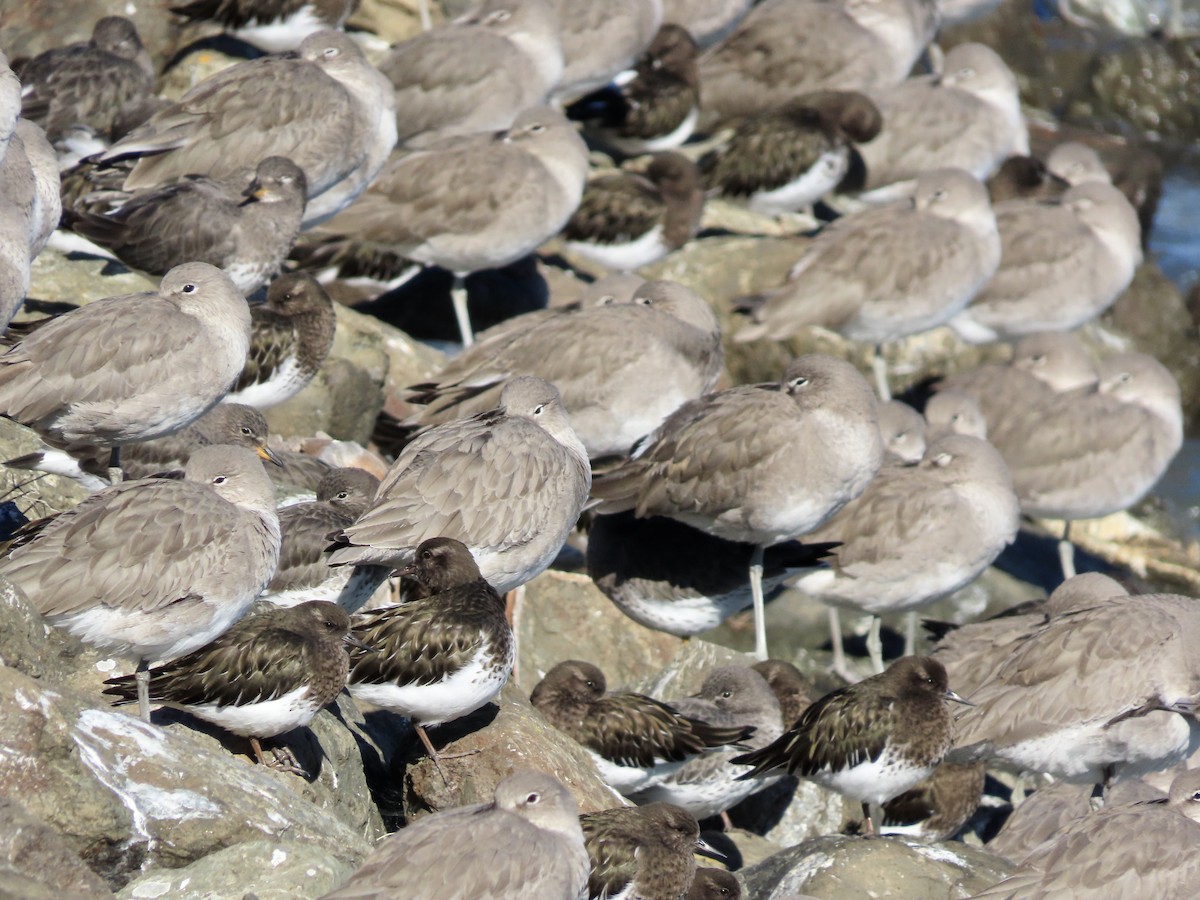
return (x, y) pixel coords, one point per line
(605, 421)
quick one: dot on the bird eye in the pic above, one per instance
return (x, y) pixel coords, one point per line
(537, 411)
(643, 301)
(342, 495)
(426, 554)
(798, 382)
(532, 799)
(590, 684)
(725, 695)
(331, 52)
(500, 15)
(1196, 796)
(188, 288)
(536, 129)
(246, 430)
(331, 625)
(220, 479)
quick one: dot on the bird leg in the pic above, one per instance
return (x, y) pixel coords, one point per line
(872, 820)
(281, 759)
(839, 666)
(910, 632)
(875, 645)
(142, 678)
(879, 368)
(756, 594)
(458, 295)
(115, 475)
(1066, 552)
(438, 757)
(423, 12)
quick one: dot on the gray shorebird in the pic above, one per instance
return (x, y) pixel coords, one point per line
(325, 107)
(442, 655)
(599, 42)
(523, 469)
(759, 464)
(244, 229)
(870, 741)
(646, 851)
(156, 568)
(303, 573)
(903, 432)
(634, 740)
(657, 351)
(1130, 850)
(87, 83)
(627, 220)
(270, 673)
(131, 368)
(532, 824)
(291, 334)
(709, 21)
(225, 423)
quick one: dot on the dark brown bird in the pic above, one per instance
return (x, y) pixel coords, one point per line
(714, 884)
(268, 674)
(641, 851)
(870, 741)
(441, 656)
(634, 740)
(792, 688)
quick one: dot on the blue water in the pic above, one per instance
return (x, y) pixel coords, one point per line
(1175, 236)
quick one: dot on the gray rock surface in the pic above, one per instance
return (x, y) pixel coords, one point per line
(36, 863)
(850, 868)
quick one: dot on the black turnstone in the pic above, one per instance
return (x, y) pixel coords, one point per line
(273, 26)
(87, 83)
(290, 337)
(325, 107)
(130, 368)
(1096, 694)
(759, 464)
(917, 534)
(1063, 263)
(657, 107)
(709, 784)
(532, 825)
(710, 883)
(225, 423)
(303, 574)
(271, 672)
(938, 807)
(244, 229)
(641, 851)
(885, 273)
(675, 578)
(509, 483)
(1129, 850)
(627, 220)
(444, 205)
(156, 568)
(600, 41)
(634, 740)
(968, 118)
(442, 655)
(621, 368)
(785, 160)
(1028, 178)
(870, 741)
(475, 74)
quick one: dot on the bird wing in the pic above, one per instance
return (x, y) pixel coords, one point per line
(273, 339)
(615, 209)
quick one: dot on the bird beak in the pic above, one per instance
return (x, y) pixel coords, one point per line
(266, 454)
(253, 193)
(353, 640)
(706, 850)
(409, 571)
(950, 695)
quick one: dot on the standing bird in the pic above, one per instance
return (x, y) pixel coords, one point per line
(325, 108)
(654, 110)
(247, 231)
(269, 673)
(760, 464)
(870, 741)
(644, 851)
(476, 202)
(628, 220)
(156, 568)
(509, 483)
(526, 843)
(131, 368)
(885, 273)
(441, 656)
(303, 574)
(88, 83)
(291, 334)
(634, 740)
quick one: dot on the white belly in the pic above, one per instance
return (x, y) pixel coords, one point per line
(459, 693)
(265, 719)
(873, 782)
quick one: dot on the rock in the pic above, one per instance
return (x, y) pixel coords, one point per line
(478, 751)
(127, 796)
(267, 870)
(76, 277)
(36, 864)
(795, 810)
(1151, 85)
(395, 20)
(565, 616)
(23, 641)
(891, 867)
